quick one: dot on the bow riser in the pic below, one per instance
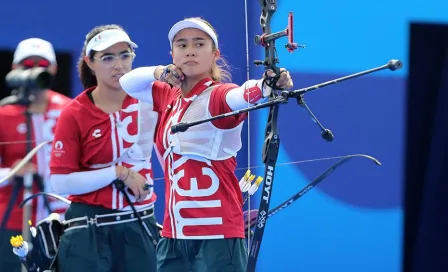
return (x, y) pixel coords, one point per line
(272, 141)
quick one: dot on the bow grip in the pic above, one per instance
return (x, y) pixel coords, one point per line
(272, 81)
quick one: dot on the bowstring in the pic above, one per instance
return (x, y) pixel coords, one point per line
(245, 168)
(19, 142)
(248, 117)
(237, 169)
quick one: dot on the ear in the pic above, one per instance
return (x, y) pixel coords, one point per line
(217, 53)
(88, 62)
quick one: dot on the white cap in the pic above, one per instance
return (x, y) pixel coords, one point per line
(34, 47)
(192, 23)
(107, 38)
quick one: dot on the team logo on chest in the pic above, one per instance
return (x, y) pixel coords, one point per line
(96, 133)
(21, 128)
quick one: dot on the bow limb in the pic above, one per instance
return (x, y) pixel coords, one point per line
(63, 199)
(252, 215)
(24, 161)
(55, 196)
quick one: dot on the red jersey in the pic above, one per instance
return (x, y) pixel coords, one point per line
(203, 198)
(13, 148)
(87, 139)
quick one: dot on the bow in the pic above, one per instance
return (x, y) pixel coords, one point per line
(24, 161)
(272, 141)
(63, 199)
(251, 215)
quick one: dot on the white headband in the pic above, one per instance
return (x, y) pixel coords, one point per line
(107, 38)
(192, 23)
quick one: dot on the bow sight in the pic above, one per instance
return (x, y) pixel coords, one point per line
(265, 39)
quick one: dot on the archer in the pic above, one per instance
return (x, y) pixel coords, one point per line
(203, 200)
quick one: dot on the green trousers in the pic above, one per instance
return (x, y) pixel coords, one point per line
(8, 260)
(215, 255)
(121, 247)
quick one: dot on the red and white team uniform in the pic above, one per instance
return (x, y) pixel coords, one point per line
(13, 148)
(203, 198)
(89, 143)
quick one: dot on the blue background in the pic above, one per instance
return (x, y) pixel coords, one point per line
(353, 220)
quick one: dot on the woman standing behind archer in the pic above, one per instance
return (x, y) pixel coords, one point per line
(104, 135)
(203, 227)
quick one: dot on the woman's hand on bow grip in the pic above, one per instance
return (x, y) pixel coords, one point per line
(284, 82)
(134, 181)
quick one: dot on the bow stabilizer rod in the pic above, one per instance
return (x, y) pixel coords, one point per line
(392, 65)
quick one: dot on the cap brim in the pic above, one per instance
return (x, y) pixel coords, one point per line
(192, 23)
(105, 45)
(183, 25)
(24, 57)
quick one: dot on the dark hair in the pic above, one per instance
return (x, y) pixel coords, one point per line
(220, 68)
(88, 79)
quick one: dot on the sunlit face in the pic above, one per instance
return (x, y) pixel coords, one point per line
(111, 64)
(193, 52)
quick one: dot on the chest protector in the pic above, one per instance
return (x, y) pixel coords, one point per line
(205, 140)
(143, 141)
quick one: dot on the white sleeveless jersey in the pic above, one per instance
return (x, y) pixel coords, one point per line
(205, 140)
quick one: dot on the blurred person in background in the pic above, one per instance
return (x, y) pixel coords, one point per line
(43, 107)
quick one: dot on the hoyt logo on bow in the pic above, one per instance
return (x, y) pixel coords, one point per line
(268, 182)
